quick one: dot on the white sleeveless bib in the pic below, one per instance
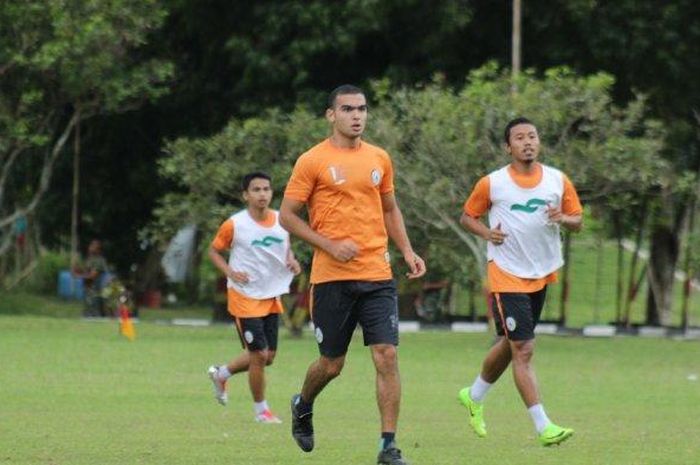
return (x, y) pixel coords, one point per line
(532, 249)
(262, 253)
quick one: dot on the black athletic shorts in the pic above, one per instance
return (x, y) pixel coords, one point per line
(258, 333)
(338, 306)
(517, 313)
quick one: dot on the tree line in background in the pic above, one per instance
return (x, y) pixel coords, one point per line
(114, 86)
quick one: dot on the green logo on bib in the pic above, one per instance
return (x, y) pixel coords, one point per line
(267, 241)
(530, 207)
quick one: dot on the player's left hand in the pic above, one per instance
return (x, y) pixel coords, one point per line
(416, 265)
(293, 266)
(554, 214)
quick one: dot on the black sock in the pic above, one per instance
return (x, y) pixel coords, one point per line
(387, 439)
(303, 407)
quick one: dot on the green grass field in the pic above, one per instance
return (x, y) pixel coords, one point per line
(75, 392)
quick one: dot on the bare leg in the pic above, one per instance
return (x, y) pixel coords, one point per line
(319, 374)
(386, 363)
(523, 372)
(496, 361)
(256, 374)
(239, 364)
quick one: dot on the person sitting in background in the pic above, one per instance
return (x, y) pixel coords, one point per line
(92, 271)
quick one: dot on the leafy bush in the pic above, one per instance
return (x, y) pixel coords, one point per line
(44, 279)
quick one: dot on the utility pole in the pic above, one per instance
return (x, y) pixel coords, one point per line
(516, 44)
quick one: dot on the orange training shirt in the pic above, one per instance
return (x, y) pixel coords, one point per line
(479, 203)
(239, 305)
(342, 189)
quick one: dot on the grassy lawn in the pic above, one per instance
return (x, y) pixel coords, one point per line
(74, 392)
(24, 303)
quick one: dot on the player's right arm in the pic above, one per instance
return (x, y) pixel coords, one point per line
(222, 242)
(343, 250)
(475, 207)
(299, 188)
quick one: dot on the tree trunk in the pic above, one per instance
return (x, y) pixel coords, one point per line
(75, 215)
(632, 288)
(662, 265)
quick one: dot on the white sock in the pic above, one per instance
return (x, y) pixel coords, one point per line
(479, 389)
(260, 407)
(223, 373)
(539, 418)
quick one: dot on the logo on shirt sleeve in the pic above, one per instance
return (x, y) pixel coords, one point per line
(376, 177)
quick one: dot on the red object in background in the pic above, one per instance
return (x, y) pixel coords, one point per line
(151, 298)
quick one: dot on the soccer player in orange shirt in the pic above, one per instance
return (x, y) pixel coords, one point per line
(527, 204)
(259, 269)
(347, 186)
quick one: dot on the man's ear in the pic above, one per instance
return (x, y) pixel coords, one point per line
(330, 115)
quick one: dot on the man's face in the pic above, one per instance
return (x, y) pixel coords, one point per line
(349, 115)
(524, 143)
(259, 193)
(95, 247)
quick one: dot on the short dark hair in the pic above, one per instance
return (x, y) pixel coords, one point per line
(345, 89)
(512, 123)
(254, 175)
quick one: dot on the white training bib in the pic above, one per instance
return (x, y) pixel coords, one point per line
(532, 249)
(262, 253)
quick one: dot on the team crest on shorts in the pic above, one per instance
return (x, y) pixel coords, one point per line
(376, 177)
(248, 337)
(319, 335)
(510, 323)
(394, 319)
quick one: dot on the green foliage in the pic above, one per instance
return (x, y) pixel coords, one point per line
(62, 62)
(693, 252)
(44, 280)
(208, 172)
(441, 142)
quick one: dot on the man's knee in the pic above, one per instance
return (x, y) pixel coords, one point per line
(522, 351)
(385, 357)
(259, 357)
(270, 357)
(332, 366)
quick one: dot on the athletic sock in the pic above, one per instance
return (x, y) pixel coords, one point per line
(302, 407)
(223, 373)
(539, 418)
(260, 407)
(386, 440)
(479, 389)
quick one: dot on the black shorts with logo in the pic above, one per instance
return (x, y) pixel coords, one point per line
(517, 313)
(337, 307)
(260, 333)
